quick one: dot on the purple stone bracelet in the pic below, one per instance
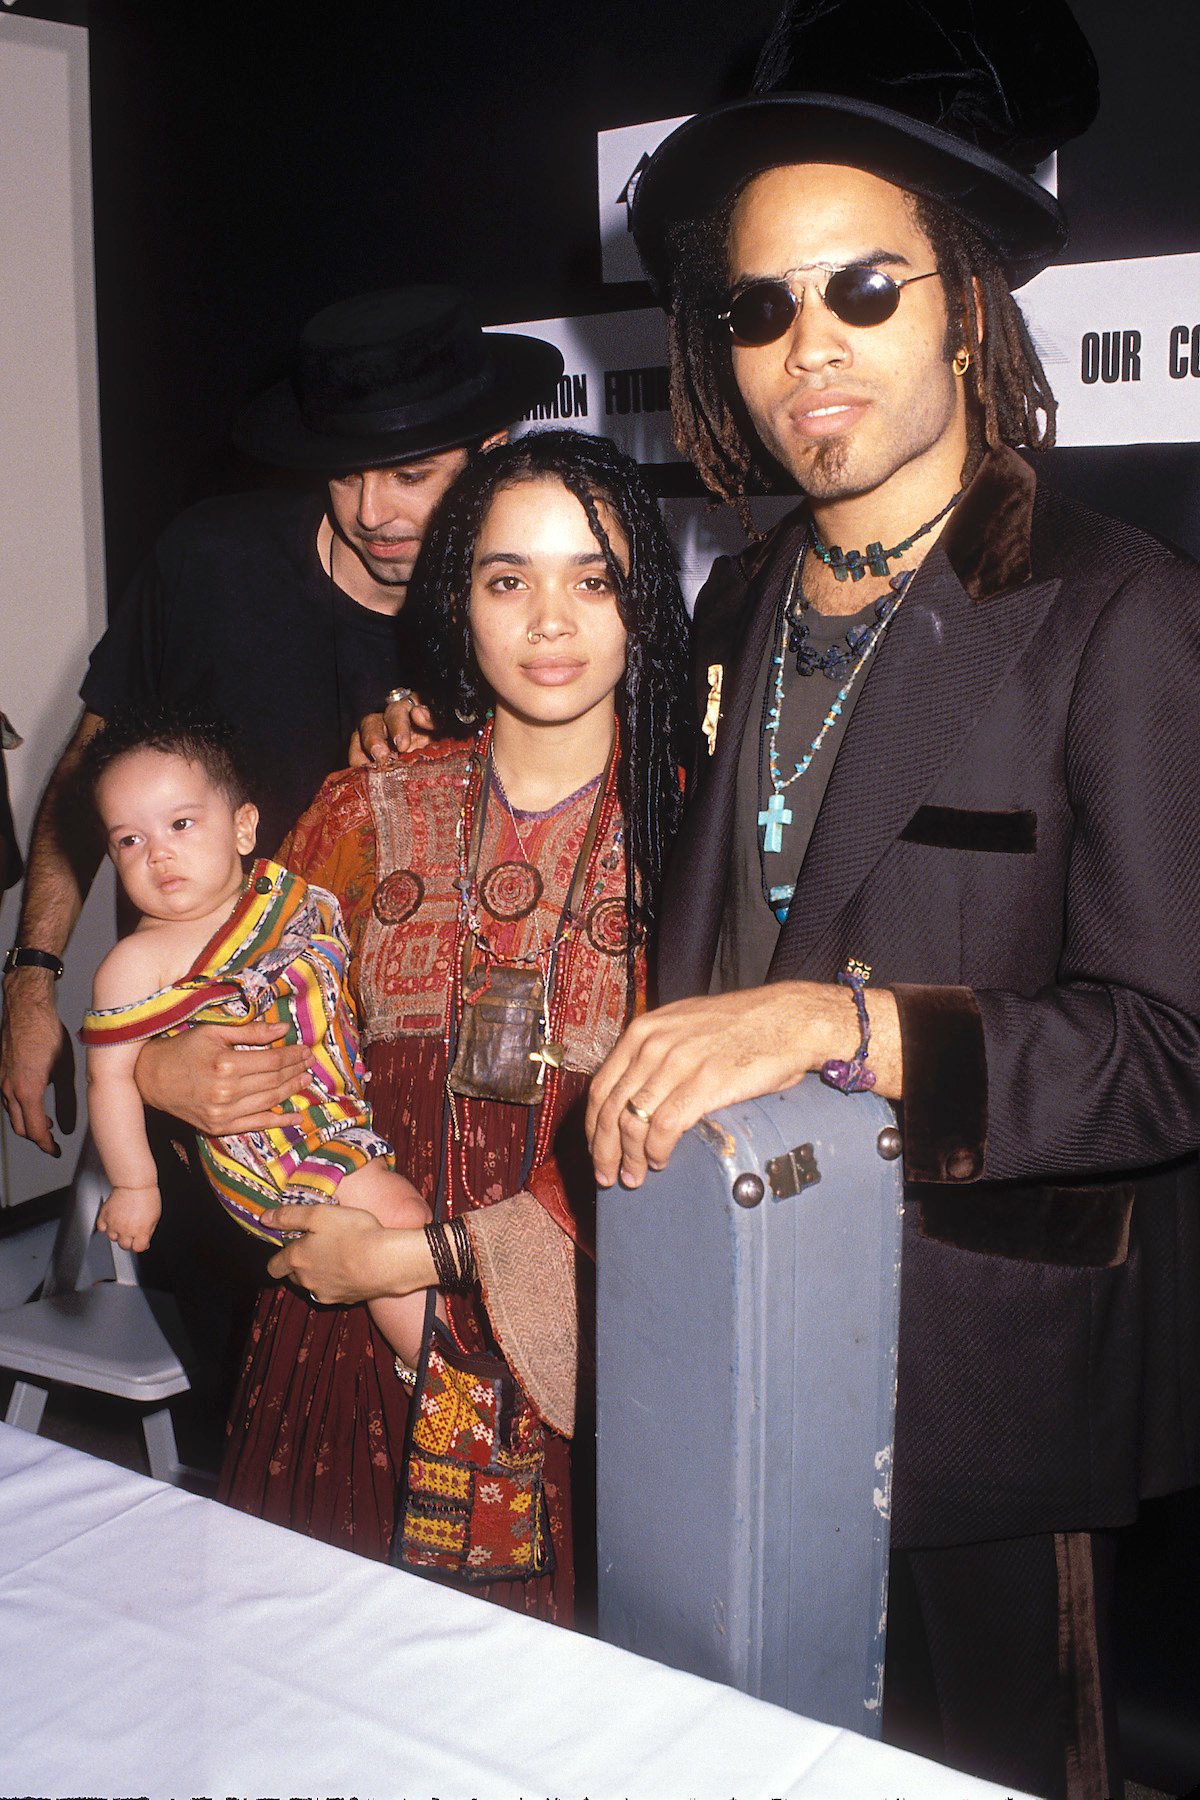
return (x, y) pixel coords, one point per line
(853, 1077)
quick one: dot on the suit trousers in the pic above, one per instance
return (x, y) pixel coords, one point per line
(1000, 1661)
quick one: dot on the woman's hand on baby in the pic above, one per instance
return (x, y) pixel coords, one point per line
(404, 725)
(129, 1215)
(345, 1254)
(207, 1077)
(335, 1257)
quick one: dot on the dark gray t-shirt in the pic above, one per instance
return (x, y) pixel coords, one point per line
(749, 928)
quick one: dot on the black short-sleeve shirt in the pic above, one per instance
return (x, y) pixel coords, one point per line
(10, 850)
(233, 612)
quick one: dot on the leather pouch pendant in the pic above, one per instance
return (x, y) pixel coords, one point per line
(501, 1052)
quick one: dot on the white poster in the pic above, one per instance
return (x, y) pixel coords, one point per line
(621, 156)
(1121, 346)
(615, 379)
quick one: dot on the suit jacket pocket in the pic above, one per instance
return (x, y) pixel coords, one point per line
(964, 828)
(1075, 1227)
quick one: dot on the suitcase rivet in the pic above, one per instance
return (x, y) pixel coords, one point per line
(889, 1143)
(748, 1190)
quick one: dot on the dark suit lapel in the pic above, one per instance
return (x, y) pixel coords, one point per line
(694, 890)
(943, 657)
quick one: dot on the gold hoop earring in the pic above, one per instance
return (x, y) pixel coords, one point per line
(961, 361)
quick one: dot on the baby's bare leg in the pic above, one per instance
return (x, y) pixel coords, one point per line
(387, 1196)
(396, 1203)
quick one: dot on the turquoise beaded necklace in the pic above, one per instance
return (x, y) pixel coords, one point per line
(776, 814)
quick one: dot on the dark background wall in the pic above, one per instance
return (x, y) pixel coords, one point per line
(253, 163)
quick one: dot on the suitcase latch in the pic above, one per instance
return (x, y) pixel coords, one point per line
(793, 1171)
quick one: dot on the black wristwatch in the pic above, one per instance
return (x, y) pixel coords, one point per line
(20, 957)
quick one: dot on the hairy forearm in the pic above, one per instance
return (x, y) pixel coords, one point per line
(33, 1050)
(63, 856)
(833, 1021)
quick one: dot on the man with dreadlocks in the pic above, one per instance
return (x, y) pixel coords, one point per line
(956, 720)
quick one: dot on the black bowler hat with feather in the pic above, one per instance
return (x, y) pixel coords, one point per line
(391, 376)
(956, 100)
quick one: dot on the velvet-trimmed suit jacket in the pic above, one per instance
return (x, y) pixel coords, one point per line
(1011, 838)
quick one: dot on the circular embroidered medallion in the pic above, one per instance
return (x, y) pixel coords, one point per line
(608, 928)
(511, 890)
(398, 896)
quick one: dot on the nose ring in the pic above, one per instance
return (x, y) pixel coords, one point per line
(534, 637)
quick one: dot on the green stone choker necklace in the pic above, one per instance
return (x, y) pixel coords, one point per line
(852, 565)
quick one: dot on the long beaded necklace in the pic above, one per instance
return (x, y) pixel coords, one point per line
(776, 814)
(588, 884)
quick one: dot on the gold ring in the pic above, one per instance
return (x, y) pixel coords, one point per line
(396, 694)
(638, 1111)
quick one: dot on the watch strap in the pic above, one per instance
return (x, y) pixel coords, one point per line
(22, 957)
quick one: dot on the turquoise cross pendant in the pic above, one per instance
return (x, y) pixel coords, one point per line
(777, 814)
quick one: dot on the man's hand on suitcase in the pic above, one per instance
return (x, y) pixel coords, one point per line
(673, 1066)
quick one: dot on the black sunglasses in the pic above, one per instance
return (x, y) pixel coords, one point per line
(763, 310)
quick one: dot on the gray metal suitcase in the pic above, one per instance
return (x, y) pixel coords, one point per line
(747, 1308)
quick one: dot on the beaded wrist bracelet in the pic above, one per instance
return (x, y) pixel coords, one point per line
(853, 1077)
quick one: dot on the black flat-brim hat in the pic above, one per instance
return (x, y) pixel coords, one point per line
(392, 376)
(955, 100)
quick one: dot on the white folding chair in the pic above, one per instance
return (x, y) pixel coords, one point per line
(94, 1326)
(24, 1257)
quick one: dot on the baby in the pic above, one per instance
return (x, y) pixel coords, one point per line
(213, 944)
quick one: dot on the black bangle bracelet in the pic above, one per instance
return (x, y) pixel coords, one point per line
(464, 1254)
(443, 1261)
(453, 1258)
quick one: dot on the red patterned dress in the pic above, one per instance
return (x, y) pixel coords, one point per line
(317, 1428)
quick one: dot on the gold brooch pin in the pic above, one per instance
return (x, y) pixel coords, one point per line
(712, 712)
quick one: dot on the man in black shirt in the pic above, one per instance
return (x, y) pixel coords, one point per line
(10, 855)
(278, 611)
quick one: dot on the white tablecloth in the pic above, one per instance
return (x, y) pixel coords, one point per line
(155, 1644)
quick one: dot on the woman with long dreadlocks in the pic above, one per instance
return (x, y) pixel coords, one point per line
(497, 888)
